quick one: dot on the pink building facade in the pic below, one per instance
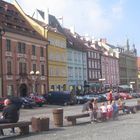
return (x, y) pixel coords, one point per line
(110, 70)
(23, 53)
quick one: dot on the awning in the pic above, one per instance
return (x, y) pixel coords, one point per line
(124, 86)
(94, 84)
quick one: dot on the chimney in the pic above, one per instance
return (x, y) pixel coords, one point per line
(72, 30)
(6, 7)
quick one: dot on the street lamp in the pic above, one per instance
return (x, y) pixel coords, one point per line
(102, 80)
(35, 76)
(132, 84)
(2, 32)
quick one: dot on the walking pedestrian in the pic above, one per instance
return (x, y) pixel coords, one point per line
(93, 107)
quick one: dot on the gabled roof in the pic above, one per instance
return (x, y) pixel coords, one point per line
(48, 26)
(53, 22)
(12, 21)
(112, 46)
(74, 42)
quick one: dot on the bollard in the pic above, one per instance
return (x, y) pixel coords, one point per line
(58, 117)
(35, 124)
(40, 124)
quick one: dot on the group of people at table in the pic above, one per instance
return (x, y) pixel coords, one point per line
(105, 111)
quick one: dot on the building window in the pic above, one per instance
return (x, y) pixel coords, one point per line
(52, 87)
(70, 72)
(33, 50)
(42, 70)
(8, 45)
(10, 90)
(22, 68)
(41, 52)
(89, 63)
(89, 54)
(9, 67)
(34, 67)
(21, 48)
(90, 74)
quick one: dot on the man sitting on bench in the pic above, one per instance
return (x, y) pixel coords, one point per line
(10, 113)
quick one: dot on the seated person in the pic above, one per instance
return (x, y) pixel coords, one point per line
(10, 113)
(103, 109)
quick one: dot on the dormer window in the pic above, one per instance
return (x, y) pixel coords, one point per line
(18, 27)
(1, 9)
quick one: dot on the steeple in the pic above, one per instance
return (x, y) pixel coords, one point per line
(127, 45)
(134, 50)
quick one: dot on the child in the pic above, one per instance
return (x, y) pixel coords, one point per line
(109, 110)
(103, 109)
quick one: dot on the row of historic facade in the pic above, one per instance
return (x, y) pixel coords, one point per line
(39, 57)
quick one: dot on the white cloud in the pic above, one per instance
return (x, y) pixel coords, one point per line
(117, 10)
(86, 15)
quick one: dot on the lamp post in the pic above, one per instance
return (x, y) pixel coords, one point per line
(35, 76)
(132, 84)
(102, 80)
(2, 32)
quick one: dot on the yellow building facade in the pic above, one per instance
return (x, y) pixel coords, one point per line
(57, 61)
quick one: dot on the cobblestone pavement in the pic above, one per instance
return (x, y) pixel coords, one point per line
(125, 128)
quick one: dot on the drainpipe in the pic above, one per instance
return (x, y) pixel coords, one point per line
(2, 32)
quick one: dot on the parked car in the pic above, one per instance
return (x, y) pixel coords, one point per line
(91, 96)
(102, 97)
(38, 99)
(135, 95)
(80, 99)
(116, 95)
(125, 95)
(1, 103)
(60, 98)
(27, 103)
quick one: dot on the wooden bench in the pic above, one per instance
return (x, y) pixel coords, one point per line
(129, 109)
(72, 118)
(23, 126)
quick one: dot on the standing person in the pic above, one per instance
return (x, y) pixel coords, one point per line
(109, 110)
(10, 113)
(110, 97)
(93, 107)
(115, 110)
(86, 106)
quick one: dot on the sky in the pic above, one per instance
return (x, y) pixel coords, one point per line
(115, 20)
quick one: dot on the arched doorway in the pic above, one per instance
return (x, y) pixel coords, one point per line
(23, 90)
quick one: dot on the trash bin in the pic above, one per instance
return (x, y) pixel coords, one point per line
(138, 104)
(40, 124)
(44, 124)
(58, 117)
